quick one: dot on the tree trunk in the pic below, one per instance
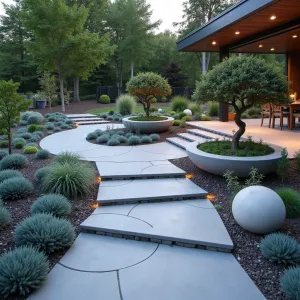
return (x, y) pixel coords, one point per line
(62, 98)
(131, 67)
(50, 102)
(203, 63)
(240, 132)
(208, 61)
(76, 90)
(9, 140)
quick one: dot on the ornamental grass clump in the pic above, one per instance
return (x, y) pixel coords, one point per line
(18, 140)
(7, 174)
(91, 136)
(67, 157)
(113, 142)
(126, 105)
(3, 153)
(22, 271)
(123, 139)
(49, 126)
(103, 139)
(5, 217)
(26, 135)
(41, 173)
(42, 154)
(30, 150)
(179, 103)
(291, 200)
(146, 139)
(35, 118)
(155, 137)
(15, 188)
(134, 140)
(280, 248)
(45, 232)
(289, 283)
(71, 179)
(13, 161)
(57, 205)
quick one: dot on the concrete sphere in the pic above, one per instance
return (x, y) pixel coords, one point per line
(188, 112)
(160, 110)
(258, 209)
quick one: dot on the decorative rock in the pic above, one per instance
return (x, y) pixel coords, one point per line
(258, 209)
(160, 110)
(188, 112)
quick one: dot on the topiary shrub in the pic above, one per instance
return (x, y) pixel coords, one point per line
(5, 217)
(3, 153)
(41, 173)
(57, 205)
(71, 179)
(126, 105)
(30, 150)
(103, 139)
(14, 161)
(35, 118)
(91, 136)
(15, 188)
(291, 199)
(134, 140)
(7, 174)
(104, 99)
(113, 142)
(45, 232)
(179, 103)
(146, 139)
(26, 136)
(123, 139)
(3, 144)
(22, 270)
(42, 154)
(67, 157)
(280, 248)
(289, 283)
(155, 137)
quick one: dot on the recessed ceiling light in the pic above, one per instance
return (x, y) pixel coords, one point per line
(272, 49)
(295, 36)
(214, 43)
(237, 32)
(260, 46)
(273, 17)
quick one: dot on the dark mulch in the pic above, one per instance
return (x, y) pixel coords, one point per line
(266, 275)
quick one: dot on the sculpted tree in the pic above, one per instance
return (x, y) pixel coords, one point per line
(243, 82)
(146, 86)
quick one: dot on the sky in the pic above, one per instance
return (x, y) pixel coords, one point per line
(168, 11)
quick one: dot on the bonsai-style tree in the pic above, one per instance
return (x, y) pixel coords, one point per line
(243, 82)
(146, 86)
(11, 106)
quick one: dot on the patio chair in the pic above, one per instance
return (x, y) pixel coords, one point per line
(279, 112)
(296, 114)
(266, 111)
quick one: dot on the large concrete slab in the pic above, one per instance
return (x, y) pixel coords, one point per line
(179, 142)
(193, 222)
(120, 191)
(187, 274)
(66, 284)
(123, 170)
(92, 253)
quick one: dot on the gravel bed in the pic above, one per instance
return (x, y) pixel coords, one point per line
(265, 275)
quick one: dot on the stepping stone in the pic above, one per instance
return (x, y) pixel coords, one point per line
(64, 284)
(192, 137)
(92, 122)
(188, 274)
(122, 191)
(178, 142)
(188, 223)
(71, 116)
(134, 170)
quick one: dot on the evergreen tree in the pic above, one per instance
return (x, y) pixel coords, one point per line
(174, 75)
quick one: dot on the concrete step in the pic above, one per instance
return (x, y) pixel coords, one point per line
(87, 119)
(192, 137)
(179, 142)
(92, 122)
(148, 190)
(205, 134)
(74, 116)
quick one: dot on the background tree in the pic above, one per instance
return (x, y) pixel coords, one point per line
(243, 82)
(174, 76)
(15, 62)
(49, 87)
(146, 86)
(56, 27)
(11, 106)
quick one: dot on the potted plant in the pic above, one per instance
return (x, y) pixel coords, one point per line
(40, 100)
(241, 82)
(147, 87)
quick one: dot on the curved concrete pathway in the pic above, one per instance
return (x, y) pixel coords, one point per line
(145, 251)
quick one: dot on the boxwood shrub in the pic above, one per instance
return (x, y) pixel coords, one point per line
(15, 188)
(14, 161)
(45, 232)
(30, 150)
(104, 99)
(57, 205)
(22, 270)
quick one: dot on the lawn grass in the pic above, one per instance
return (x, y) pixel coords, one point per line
(138, 109)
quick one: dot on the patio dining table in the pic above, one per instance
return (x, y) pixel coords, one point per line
(292, 107)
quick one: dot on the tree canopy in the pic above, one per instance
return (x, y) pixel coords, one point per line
(243, 82)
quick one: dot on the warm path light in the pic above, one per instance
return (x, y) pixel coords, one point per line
(99, 179)
(76, 125)
(273, 18)
(211, 197)
(95, 205)
(189, 176)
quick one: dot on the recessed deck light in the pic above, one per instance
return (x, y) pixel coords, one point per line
(214, 43)
(237, 32)
(295, 36)
(273, 17)
(260, 46)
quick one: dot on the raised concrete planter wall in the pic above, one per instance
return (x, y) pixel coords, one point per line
(219, 164)
(148, 126)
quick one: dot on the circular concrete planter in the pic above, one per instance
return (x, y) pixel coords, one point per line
(148, 126)
(241, 166)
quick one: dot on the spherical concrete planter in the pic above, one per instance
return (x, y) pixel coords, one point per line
(241, 166)
(148, 126)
